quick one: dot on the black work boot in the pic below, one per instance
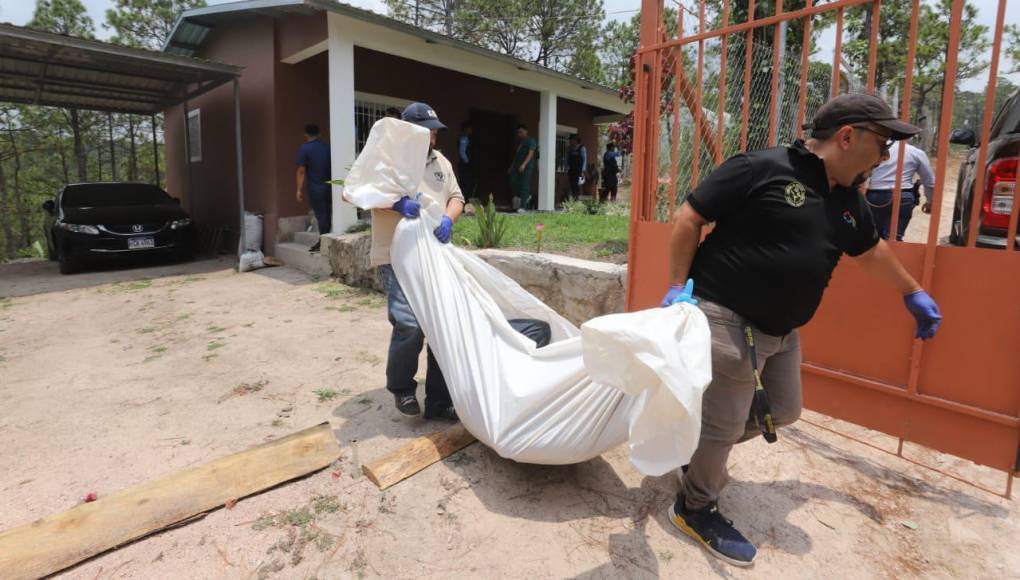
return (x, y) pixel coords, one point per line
(407, 404)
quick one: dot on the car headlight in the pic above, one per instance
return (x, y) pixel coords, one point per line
(80, 229)
(177, 224)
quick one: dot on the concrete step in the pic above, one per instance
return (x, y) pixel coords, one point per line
(307, 238)
(286, 226)
(297, 256)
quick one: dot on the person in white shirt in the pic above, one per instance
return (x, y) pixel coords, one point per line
(439, 183)
(883, 180)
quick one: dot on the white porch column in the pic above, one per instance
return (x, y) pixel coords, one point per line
(341, 116)
(547, 151)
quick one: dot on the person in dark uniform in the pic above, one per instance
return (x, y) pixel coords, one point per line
(313, 170)
(466, 157)
(577, 163)
(610, 172)
(783, 218)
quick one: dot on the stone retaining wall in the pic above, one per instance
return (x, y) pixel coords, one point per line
(577, 289)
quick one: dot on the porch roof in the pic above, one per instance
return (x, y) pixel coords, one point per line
(193, 26)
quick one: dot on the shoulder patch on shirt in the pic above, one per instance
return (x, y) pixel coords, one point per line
(795, 194)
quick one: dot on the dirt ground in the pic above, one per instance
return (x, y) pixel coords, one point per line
(114, 378)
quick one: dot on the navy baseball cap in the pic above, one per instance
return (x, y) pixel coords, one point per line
(422, 114)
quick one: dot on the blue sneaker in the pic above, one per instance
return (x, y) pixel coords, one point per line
(714, 532)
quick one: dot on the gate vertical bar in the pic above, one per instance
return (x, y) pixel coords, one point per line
(837, 52)
(873, 46)
(674, 141)
(977, 191)
(722, 84)
(805, 51)
(651, 17)
(908, 88)
(948, 94)
(696, 150)
(748, 57)
(773, 121)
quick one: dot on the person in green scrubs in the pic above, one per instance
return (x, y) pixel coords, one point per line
(521, 169)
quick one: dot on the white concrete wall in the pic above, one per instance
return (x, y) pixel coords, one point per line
(341, 114)
(547, 148)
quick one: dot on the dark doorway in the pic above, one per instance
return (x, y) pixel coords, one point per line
(494, 148)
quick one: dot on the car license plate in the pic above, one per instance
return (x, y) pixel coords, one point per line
(141, 243)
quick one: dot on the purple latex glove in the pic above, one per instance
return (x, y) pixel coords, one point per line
(679, 294)
(408, 207)
(925, 311)
(445, 230)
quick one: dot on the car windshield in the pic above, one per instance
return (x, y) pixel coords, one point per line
(113, 194)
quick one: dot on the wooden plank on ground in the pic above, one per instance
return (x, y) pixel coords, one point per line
(55, 542)
(417, 455)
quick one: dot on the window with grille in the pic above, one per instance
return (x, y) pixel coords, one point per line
(562, 147)
(367, 110)
(195, 135)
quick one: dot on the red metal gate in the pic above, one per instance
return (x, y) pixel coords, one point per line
(959, 393)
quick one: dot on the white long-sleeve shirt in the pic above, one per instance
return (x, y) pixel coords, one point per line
(914, 162)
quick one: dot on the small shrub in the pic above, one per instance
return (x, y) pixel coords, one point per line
(491, 226)
(358, 227)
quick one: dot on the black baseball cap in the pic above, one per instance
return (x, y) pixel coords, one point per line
(854, 108)
(422, 114)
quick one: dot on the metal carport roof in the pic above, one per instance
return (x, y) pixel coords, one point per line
(43, 68)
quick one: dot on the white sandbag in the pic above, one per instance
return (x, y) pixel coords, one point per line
(252, 232)
(251, 260)
(634, 378)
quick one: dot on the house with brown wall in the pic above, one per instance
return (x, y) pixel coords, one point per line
(340, 67)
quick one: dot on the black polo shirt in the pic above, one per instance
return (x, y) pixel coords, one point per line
(779, 233)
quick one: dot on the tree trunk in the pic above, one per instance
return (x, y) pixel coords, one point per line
(63, 159)
(113, 156)
(24, 221)
(5, 219)
(79, 147)
(99, 158)
(133, 165)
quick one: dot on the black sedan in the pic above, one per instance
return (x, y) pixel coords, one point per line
(94, 221)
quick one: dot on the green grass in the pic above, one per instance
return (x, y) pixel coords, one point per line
(562, 230)
(326, 394)
(131, 286)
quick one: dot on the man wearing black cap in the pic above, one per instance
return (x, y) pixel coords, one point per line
(439, 183)
(783, 218)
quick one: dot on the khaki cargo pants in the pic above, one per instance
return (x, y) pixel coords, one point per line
(726, 414)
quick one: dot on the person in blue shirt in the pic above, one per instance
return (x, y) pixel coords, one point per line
(577, 166)
(466, 158)
(313, 170)
(610, 172)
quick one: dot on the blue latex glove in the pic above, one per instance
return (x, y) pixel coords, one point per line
(445, 230)
(408, 207)
(679, 294)
(925, 311)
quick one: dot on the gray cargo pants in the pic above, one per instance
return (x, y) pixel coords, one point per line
(726, 414)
